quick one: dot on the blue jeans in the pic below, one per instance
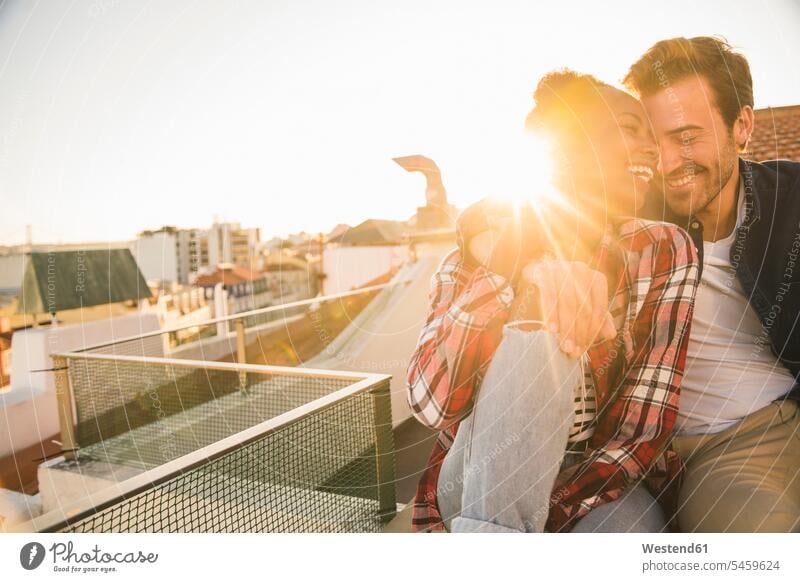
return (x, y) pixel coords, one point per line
(500, 471)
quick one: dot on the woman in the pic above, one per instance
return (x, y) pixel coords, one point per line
(548, 444)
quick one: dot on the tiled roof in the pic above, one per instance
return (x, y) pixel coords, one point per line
(283, 266)
(776, 135)
(227, 276)
(63, 280)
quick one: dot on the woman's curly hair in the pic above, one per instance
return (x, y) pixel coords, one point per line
(560, 100)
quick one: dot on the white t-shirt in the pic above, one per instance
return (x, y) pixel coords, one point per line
(730, 372)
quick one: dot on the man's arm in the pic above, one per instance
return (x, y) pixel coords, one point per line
(469, 306)
(640, 421)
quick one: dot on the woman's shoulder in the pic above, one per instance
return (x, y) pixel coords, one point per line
(639, 234)
(452, 268)
(453, 263)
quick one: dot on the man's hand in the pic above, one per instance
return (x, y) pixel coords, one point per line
(574, 302)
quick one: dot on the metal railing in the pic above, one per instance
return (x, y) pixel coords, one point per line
(227, 445)
(108, 389)
(326, 465)
(234, 327)
(113, 408)
(266, 447)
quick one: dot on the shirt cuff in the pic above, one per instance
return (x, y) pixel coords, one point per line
(486, 297)
(484, 282)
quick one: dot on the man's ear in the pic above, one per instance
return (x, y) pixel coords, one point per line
(743, 127)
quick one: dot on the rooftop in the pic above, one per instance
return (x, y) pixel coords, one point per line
(228, 275)
(372, 232)
(777, 134)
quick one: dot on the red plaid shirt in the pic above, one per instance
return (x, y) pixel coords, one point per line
(652, 270)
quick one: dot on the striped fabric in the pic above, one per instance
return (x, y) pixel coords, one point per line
(585, 410)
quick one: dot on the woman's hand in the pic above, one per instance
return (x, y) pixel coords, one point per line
(499, 236)
(497, 249)
(527, 307)
(574, 302)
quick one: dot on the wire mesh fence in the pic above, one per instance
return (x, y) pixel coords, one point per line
(146, 413)
(159, 398)
(329, 469)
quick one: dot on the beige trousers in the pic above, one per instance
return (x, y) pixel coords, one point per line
(745, 478)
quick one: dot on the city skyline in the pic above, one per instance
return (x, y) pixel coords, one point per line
(265, 240)
(286, 116)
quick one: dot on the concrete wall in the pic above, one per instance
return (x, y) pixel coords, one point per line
(157, 256)
(382, 338)
(12, 268)
(349, 267)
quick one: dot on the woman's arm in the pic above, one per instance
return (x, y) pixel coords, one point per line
(636, 429)
(469, 306)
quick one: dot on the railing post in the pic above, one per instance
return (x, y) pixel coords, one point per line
(66, 418)
(384, 450)
(241, 351)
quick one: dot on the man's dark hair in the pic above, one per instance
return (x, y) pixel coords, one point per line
(671, 60)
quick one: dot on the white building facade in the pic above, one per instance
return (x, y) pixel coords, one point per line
(173, 255)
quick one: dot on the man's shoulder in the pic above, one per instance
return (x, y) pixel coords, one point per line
(775, 167)
(772, 178)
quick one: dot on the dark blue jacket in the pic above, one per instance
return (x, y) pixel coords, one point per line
(765, 254)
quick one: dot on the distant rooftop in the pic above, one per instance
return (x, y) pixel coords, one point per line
(372, 232)
(227, 275)
(58, 281)
(51, 247)
(776, 135)
(282, 262)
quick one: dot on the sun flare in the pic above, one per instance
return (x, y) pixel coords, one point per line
(526, 173)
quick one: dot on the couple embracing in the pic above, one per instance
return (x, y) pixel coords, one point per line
(624, 358)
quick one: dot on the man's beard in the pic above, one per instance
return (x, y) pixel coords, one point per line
(715, 178)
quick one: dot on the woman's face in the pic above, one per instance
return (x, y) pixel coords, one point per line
(611, 167)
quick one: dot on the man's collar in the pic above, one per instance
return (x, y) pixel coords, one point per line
(747, 179)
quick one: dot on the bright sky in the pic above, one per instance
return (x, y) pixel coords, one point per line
(121, 115)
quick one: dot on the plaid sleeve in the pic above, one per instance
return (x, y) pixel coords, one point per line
(468, 307)
(639, 423)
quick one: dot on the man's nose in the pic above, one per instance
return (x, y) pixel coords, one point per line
(670, 159)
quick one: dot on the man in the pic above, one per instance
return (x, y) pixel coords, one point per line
(738, 431)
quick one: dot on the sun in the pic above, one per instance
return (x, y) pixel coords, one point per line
(526, 172)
